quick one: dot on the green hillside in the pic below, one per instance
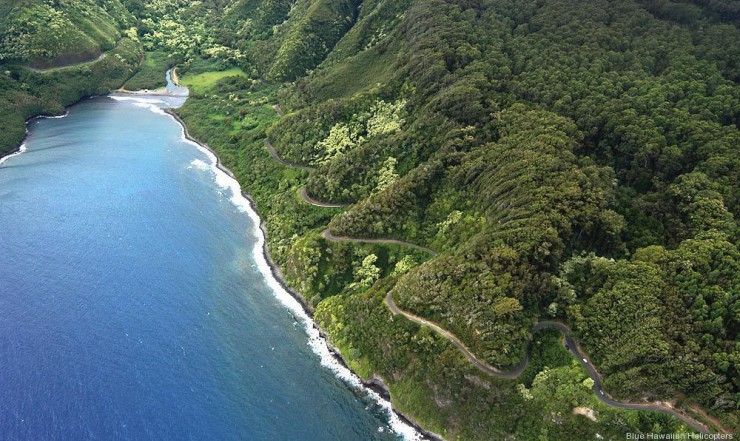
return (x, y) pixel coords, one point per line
(568, 160)
(60, 32)
(514, 162)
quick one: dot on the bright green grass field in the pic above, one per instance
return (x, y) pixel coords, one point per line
(201, 83)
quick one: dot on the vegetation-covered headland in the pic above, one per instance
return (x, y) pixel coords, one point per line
(52, 53)
(566, 160)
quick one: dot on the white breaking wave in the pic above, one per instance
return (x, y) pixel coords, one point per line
(200, 165)
(20, 151)
(221, 178)
(151, 104)
(151, 107)
(64, 115)
(138, 99)
(318, 344)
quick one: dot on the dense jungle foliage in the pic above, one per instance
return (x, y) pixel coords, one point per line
(568, 160)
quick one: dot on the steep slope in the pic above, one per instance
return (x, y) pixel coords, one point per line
(49, 34)
(567, 160)
(310, 33)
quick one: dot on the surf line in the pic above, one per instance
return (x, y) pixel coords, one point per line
(329, 356)
(24, 147)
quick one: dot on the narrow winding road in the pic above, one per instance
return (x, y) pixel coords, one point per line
(568, 340)
(303, 193)
(277, 158)
(316, 203)
(477, 362)
(82, 63)
(326, 234)
(570, 343)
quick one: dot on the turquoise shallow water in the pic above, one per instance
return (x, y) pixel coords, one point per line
(134, 302)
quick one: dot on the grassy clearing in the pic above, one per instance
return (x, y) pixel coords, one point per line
(201, 83)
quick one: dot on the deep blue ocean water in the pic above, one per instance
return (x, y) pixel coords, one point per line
(134, 304)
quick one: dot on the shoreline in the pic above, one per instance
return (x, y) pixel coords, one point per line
(374, 384)
(19, 149)
(162, 91)
(276, 273)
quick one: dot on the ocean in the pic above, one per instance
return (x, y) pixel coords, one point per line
(135, 301)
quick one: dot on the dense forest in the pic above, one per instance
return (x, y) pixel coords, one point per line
(566, 160)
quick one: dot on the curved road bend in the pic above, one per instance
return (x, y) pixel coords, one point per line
(82, 63)
(477, 362)
(277, 157)
(570, 343)
(311, 201)
(326, 234)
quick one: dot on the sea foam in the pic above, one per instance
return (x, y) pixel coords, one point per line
(318, 344)
(138, 99)
(200, 165)
(151, 104)
(64, 115)
(21, 149)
